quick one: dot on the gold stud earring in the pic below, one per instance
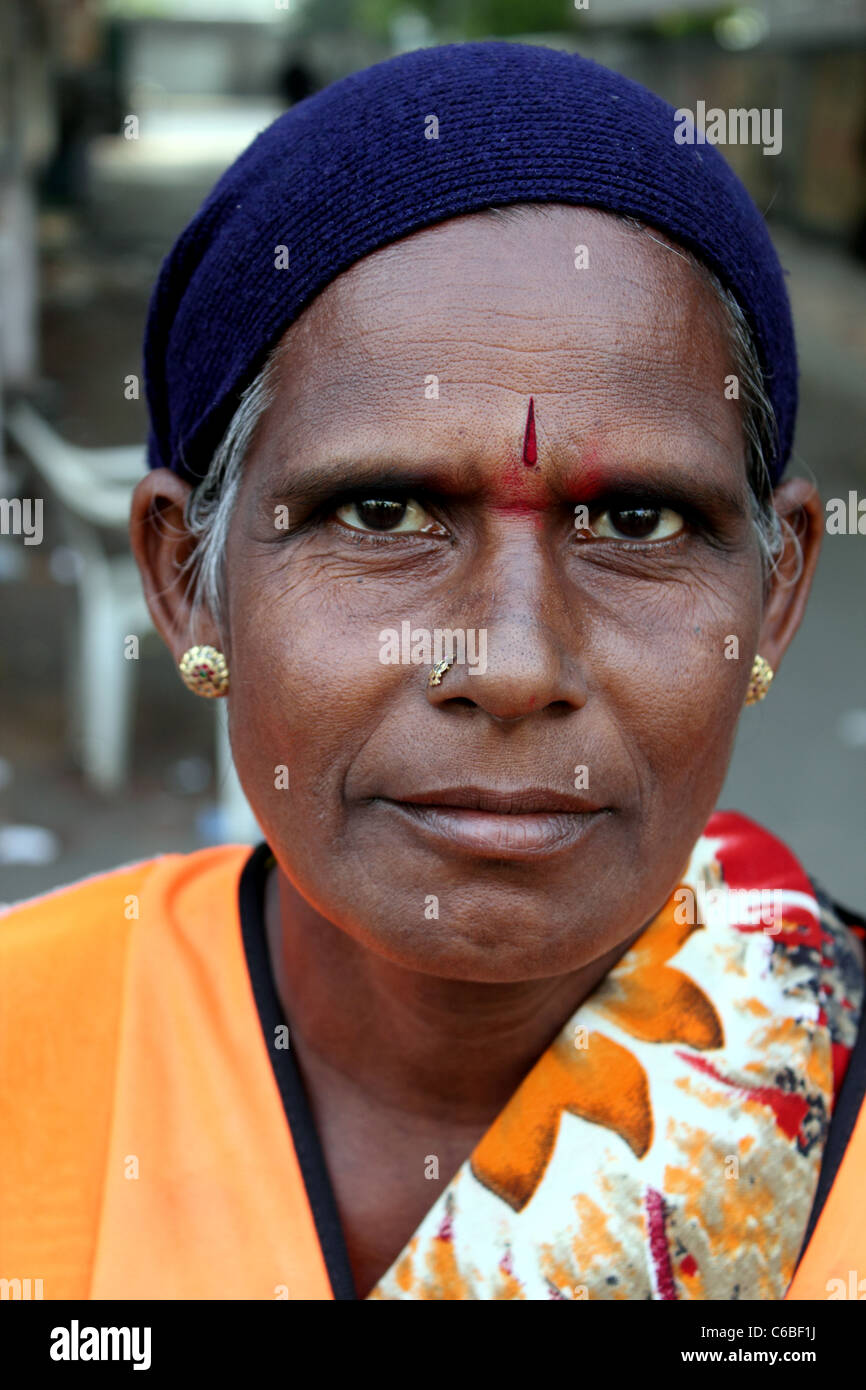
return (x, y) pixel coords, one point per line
(759, 680)
(204, 672)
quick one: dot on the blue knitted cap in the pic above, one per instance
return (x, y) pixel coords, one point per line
(349, 170)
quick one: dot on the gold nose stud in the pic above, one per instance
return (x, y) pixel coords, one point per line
(439, 670)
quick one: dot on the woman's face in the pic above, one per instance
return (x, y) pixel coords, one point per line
(387, 486)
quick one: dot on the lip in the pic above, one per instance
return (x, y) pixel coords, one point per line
(507, 801)
(496, 823)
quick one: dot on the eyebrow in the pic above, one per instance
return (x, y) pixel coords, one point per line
(313, 483)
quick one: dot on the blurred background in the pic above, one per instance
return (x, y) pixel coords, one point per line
(116, 117)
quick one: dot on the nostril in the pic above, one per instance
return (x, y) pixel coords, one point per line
(559, 707)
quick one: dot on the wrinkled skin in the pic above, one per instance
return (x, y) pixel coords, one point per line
(412, 1031)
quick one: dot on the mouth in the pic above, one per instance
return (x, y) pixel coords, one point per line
(494, 823)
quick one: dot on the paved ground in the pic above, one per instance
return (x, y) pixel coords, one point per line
(801, 757)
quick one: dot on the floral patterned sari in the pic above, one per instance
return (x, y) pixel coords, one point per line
(667, 1145)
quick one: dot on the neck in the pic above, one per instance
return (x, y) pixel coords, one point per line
(417, 1044)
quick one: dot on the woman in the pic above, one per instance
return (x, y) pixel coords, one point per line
(471, 393)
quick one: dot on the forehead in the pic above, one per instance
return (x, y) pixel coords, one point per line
(609, 327)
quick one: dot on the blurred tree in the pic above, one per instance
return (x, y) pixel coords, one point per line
(448, 18)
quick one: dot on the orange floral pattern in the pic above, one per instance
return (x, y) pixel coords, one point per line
(645, 1154)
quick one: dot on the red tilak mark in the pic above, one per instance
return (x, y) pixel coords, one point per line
(790, 1109)
(586, 480)
(521, 508)
(530, 450)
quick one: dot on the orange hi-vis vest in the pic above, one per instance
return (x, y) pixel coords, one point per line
(144, 1148)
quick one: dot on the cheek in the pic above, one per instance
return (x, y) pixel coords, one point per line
(674, 680)
(307, 692)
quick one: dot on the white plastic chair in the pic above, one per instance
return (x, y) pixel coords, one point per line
(95, 487)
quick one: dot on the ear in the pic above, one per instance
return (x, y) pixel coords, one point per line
(162, 545)
(798, 506)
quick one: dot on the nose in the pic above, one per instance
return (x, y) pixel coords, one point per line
(527, 638)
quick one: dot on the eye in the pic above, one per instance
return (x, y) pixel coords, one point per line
(387, 514)
(637, 523)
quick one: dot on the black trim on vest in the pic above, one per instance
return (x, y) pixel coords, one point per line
(314, 1170)
(320, 1193)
